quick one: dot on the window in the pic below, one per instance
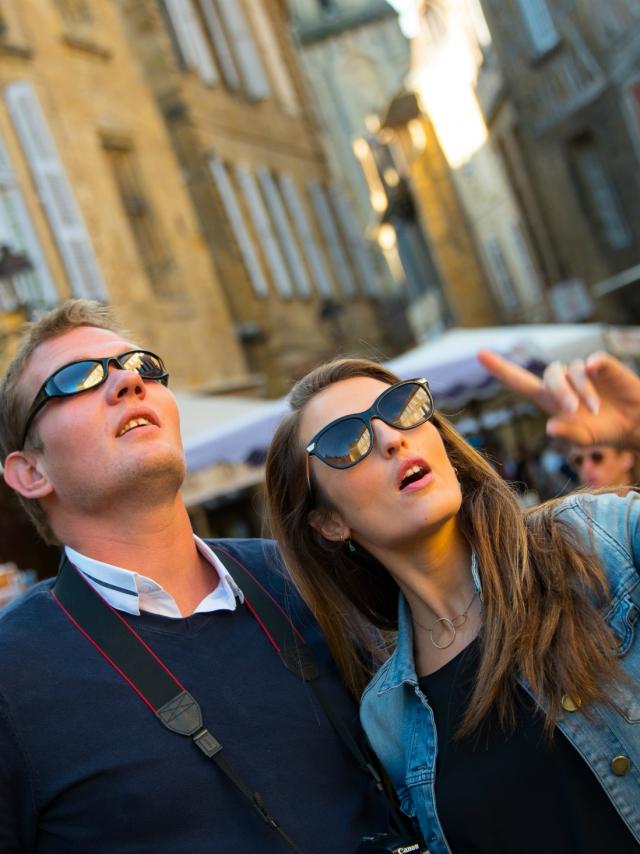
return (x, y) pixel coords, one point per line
(34, 288)
(301, 223)
(540, 26)
(529, 275)
(57, 197)
(238, 226)
(600, 194)
(262, 225)
(500, 274)
(220, 44)
(283, 229)
(246, 56)
(273, 55)
(358, 249)
(214, 39)
(331, 238)
(145, 228)
(189, 38)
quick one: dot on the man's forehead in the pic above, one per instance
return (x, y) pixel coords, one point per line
(83, 342)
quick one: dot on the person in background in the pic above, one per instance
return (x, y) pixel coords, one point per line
(507, 716)
(600, 467)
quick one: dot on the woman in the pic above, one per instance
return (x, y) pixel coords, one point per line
(508, 716)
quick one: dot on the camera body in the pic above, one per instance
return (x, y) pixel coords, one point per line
(387, 843)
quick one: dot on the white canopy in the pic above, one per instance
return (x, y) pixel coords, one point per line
(448, 362)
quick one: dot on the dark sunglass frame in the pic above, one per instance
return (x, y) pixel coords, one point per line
(596, 457)
(49, 390)
(366, 417)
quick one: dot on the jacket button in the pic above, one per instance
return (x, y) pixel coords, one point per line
(620, 765)
(570, 704)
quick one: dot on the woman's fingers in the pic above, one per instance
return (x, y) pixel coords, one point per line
(581, 382)
(518, 379)
(557, 385)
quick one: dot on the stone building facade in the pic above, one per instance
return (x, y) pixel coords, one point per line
(355, 58)
(449, 66)
(299, 279)
(93, 202)
(572, 142)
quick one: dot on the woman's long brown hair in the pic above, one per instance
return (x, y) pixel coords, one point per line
(543, 588)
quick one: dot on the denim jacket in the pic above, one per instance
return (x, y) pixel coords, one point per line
(400, 725)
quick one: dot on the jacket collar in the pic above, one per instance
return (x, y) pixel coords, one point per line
(401, 668)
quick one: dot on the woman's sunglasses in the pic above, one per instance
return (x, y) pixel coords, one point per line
(348, 440)
(86, 374)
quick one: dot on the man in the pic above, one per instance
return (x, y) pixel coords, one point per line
(95, 456)
(599, 466)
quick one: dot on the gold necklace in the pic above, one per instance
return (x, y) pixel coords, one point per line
(451, 625)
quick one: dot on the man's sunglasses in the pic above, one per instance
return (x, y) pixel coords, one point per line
(596, 458)
(348, 440)
(86, 374)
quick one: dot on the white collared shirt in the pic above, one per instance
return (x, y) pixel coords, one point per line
(132, 593)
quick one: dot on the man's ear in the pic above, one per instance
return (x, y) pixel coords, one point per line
(22, 472)
(329, 524)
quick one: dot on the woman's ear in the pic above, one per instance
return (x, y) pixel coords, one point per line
(329, 524)
(22, 473)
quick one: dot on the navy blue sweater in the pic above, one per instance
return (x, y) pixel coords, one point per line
(85, 768)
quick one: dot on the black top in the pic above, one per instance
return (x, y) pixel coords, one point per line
(498, 793)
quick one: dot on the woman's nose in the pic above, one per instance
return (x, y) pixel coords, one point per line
(387, 438)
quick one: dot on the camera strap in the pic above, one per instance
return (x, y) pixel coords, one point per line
(107, 630)
(152, 681)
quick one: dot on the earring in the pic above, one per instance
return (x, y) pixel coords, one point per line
(349, 544)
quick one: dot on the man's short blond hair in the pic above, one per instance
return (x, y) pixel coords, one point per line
(13, 403)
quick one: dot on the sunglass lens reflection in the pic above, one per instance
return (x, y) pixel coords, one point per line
(78, 377)
(346, 442)
(406, 406)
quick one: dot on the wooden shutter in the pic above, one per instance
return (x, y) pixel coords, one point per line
(272, 52)
(330, 234)
(264, 231)
(301, 223)
(191, 41)
(55, 192)
(358, 249)
(36, 288)
(220, 44)
(246, 55)
(238, 226)
(283, 229)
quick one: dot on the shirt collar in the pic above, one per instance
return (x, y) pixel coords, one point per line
(131, 592)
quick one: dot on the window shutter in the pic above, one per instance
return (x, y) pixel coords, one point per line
(238, 226)
(55, 192)
(191, 41)
(220, 44)
(358, 249)
(539, 23)
(501, 275)
(36, 287)
(330, 234)
(273, 55)
(247, 57)
(263, 229)
(283, 229)
(299, 218)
